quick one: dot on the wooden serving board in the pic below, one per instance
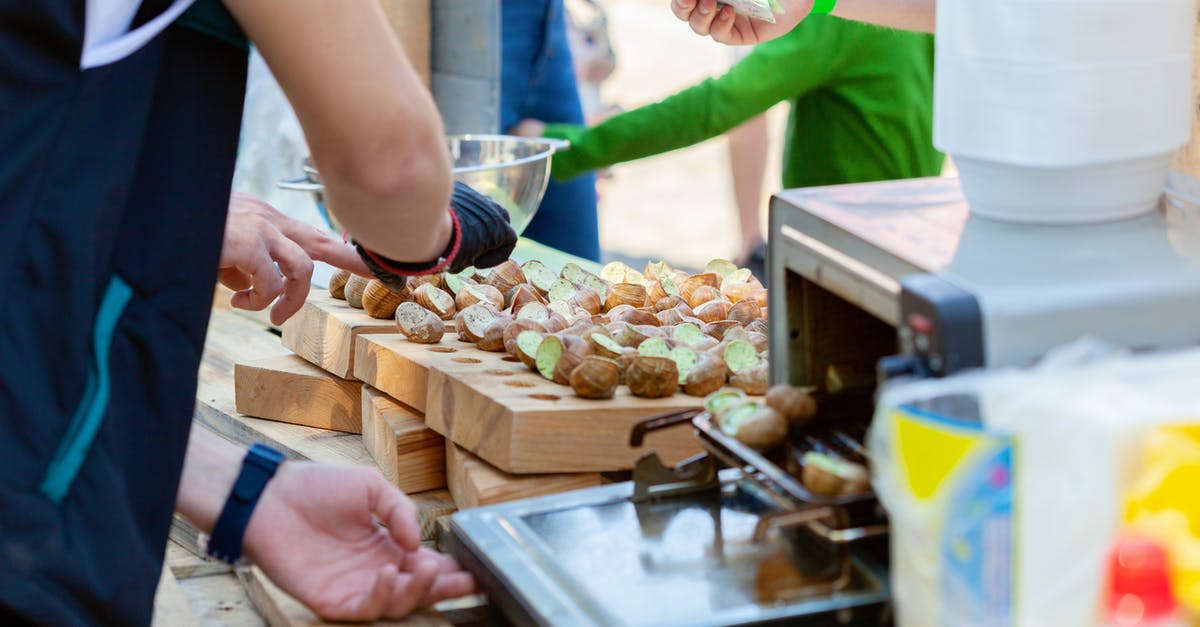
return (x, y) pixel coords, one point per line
(496, 408)
(292, 390)
(323, 332)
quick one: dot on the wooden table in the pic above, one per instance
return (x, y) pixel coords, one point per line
(197, 591)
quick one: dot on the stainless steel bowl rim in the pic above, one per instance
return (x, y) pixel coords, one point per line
(552, 146)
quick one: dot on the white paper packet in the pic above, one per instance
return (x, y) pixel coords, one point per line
(757, 9)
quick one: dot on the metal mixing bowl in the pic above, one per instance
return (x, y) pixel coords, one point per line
(513, 171)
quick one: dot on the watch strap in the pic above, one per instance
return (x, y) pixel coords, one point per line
(258, 467)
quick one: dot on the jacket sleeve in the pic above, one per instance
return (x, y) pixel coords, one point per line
(773, 72)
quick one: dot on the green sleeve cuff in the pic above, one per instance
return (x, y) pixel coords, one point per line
(569, 163)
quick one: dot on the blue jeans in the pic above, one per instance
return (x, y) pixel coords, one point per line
(538, 81)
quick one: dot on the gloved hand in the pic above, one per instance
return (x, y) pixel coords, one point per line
(486, 237)
(482, 237)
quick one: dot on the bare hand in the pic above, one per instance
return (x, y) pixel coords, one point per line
(314, 534)
(723, 25)
(528, 128)
(257, 237)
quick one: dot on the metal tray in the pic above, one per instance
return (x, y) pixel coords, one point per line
(602, 557)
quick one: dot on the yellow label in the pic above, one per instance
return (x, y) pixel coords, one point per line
(929, 452)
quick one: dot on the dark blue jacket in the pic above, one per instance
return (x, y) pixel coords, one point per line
(114, 181)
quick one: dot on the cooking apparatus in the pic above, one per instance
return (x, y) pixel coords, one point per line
(513, 171)
(863, 271)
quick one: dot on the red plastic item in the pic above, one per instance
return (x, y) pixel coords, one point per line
(1139, 583)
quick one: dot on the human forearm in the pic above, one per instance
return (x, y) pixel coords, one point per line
(917, 15)
(689, 117)
(374, 131)
(210, 467)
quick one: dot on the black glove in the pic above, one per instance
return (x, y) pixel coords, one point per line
(482, 237)
(486, 237)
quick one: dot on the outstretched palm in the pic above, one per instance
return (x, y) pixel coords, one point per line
(314, 534)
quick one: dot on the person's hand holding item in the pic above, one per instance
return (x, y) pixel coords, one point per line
(482, 237)
(313, 533)
(708, 17)
(257, 237)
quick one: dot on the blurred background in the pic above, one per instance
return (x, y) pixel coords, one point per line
(687, 193)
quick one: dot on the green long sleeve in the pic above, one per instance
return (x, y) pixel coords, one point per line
(771, 73)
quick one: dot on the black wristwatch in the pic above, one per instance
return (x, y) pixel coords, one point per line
(258, 467)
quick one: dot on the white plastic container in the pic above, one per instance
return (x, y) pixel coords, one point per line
(1062, 111)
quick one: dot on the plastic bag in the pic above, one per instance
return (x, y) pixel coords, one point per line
(1005, 488)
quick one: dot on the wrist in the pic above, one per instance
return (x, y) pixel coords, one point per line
(384, 267)
(258, 468)
(264, 520)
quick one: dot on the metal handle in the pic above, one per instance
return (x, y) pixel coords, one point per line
(844, 536)
(300, 184)
(789, 519)
(661, 421)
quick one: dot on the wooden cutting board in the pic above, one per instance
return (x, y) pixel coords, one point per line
(496, 408)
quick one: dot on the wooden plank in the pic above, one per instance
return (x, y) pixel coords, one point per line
(410, 455)
(410, 19)
(220, 601)
(323, 332)
(281, 610)
(292, 390)
(186, 564)
(171, 607)
(295, 441)
(474, 482)
(512, 418)
(432, 506)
